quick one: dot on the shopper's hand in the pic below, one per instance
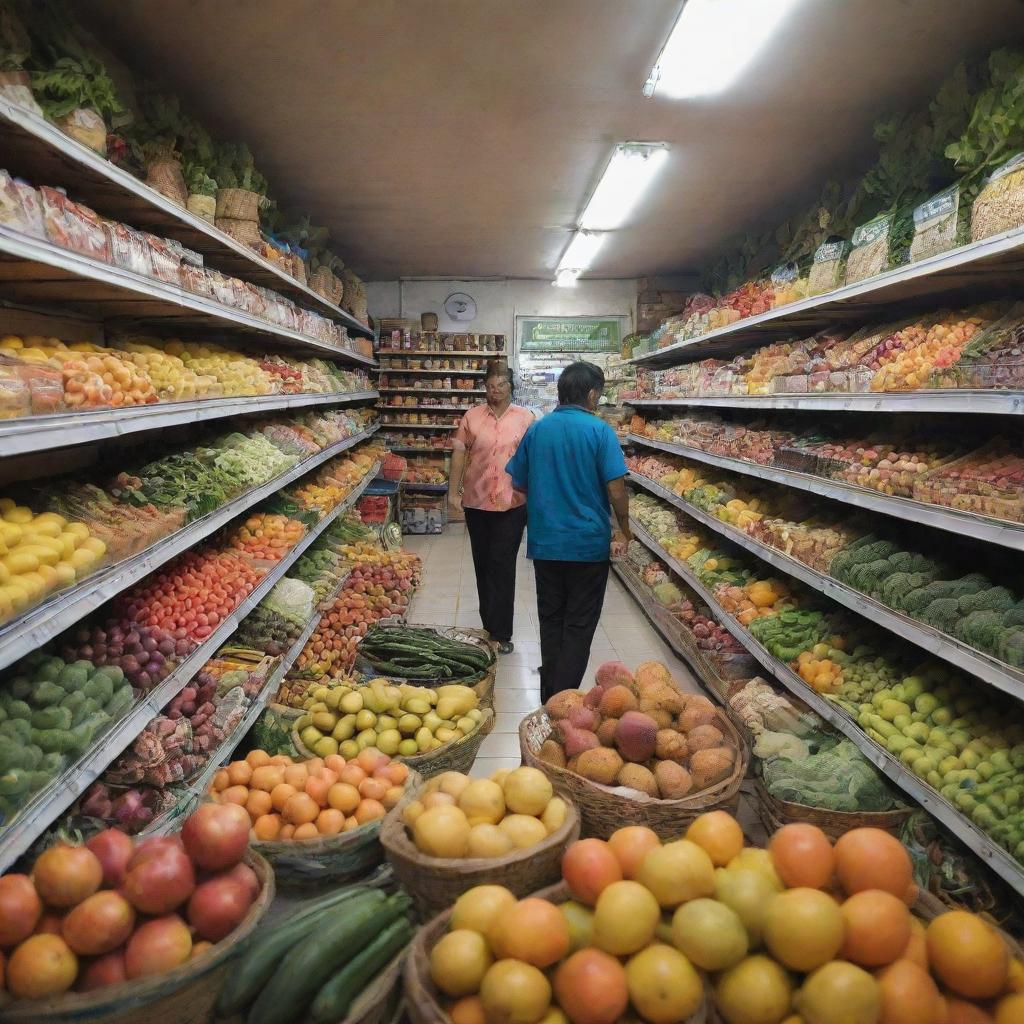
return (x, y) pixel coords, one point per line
(620, 545)
(454, 505)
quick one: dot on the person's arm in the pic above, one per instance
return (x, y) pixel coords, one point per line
(518, 466)
(618, 496)
(455, 475)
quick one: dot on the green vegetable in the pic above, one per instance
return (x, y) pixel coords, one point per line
(54, 741)
(51, 718)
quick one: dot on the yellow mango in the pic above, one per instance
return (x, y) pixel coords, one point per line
(95, 545)
(18, 562)
(83, 560)
(46, 527)
(20, 515)
(79, 530)
(45, 555)
(66, 574)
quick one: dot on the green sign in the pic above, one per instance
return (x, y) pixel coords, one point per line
(569, 334)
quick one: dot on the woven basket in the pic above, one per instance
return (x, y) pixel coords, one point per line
(185, 995)
(245, 231)
(452, 757)
(238, 204)
(774, 813)
(296, 267)
(605, 809)
(425, 1005)
(436, 883)
(165, 176)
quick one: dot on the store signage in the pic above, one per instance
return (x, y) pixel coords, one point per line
(569, 334)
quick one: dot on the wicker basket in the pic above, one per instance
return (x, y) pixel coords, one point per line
(165, 176)
(605, 809)
(238, 204)
(245, 231)
(436, 883)
(425, 1005)
(452, 757)
(296, 267)
(185, 995)
(774, 813)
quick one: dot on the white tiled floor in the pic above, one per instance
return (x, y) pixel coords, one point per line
(448, 597)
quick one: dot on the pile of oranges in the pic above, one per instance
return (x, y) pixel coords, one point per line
(267, 537)
(295, 800)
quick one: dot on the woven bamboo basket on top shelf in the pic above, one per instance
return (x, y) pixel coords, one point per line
(238, 204)
(436, 883)
(185, 995)
(605, 809)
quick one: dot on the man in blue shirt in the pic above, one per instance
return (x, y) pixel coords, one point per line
(570, 466)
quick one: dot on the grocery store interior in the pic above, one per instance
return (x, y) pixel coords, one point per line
(511, 513)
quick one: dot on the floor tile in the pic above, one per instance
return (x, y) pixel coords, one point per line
(485, 767)
(508, 721)
(519, 700)
(500, 744)
(516, 677)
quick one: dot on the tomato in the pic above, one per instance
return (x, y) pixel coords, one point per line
(105, 970)
(160, 882)
(216, 835)
(65, 875)
(20, 909)
(41, 966)
(157, 946)
(114, 850)
(99, 924)
(218, 906)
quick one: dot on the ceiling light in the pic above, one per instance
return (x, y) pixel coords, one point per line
(582, 249)
(566, 278)
(630, 171)
(712, 43)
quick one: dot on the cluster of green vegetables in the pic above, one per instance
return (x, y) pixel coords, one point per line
(264, 629)
(421, 654)
(727, 570)
(787, 635)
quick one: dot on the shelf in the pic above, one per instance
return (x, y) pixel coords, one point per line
(41, 623)
(1002, 403)
(408, 485)
(414, 427)
(991, 264)
(60, 793)
(35, 271)
(46, 433)
(414, 353)
(992, 671)
(432, 391)
(425, 408)
(412, 450)
(403, 371)
(930, 800)
(966, 524)
(40, 152)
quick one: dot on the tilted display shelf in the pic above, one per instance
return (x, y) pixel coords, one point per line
(432, 391)
(418, 426)
(406, 371)
(37, 150)
(1010, 403)
(41, 623)
(419, 353)
(32, 819)
(424, 408)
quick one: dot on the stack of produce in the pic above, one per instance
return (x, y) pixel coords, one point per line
(402, 720)
(308, 799)
(639, 732)
(803, 931)
(417, 653)
(96, 916)
(266, 537)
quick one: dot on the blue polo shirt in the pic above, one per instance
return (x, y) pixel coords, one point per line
(564, 463)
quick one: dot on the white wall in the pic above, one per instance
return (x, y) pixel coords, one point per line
(500, 302)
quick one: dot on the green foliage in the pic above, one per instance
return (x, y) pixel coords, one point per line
(996, 127)
(233, 167)
(15, 45)
(72, 83)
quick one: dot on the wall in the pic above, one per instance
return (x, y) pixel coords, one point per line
(500, 302)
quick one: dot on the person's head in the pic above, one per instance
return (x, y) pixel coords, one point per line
(581, 384)
(499, 382)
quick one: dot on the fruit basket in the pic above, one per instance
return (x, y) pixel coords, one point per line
(185, 995)
(605, 809)
(435, 883)
(452, 757)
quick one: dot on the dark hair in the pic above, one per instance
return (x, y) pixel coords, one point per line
(499, 368)
(577, 381)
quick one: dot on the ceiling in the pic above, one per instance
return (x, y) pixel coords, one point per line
(461, 138)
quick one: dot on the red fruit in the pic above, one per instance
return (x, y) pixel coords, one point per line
(157, 946)
(20, 909)
(217, 907)
(105, 970)
(49, 924)
(98, 924)
(216, 835)
(588, 867)
(150, 847)
(114, 850)
(245, 874)
(161, 881)
(65, 875)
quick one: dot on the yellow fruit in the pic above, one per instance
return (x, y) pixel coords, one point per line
(483, 802)
(477, 908)
(719, 835)
(1010, 1009)
(527, 791)
(756, 991)
(748, 893)
(489, 841)
(839, 993)
(66, 574)
(453, 783)
(500, 776)
(554, 814)
(514, 993)
(459, 962)
(803, 928)
(20, 515)
(524, 830)
(442, 832)
(677, 872)
(710, 934)
(581, 924)
(625, 918)
(663, 986)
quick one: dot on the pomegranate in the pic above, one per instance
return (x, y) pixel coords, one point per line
(114, 850)
(98, 924)
(157, 946)
(154, 845)
(160, 881)
(217, 907)
(65, 875)
(245, 874)
(20, 909)
(216, 835)
(50, 924)
(104, 970)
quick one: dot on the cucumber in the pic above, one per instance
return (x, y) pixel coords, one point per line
(334, 999)
(252, 971)
(304, 970)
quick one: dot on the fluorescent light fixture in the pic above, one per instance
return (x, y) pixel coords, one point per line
(630, 171)
(566, 278)
(581, 251)
(712, 44)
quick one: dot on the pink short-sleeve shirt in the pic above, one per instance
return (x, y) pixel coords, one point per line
(489, 442)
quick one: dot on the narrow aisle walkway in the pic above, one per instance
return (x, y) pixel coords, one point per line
(448, 597)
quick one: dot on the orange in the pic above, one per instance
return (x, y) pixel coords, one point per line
(802, 856)
(350, 823)
(514, 993)
(235, 795)
(279, 795)
(630, 845)
(960, 1012)
(330, 822)
(392, 797)
(909, 996)
(803, 928)
(589, 867)
(220, 780)
(335, 762)
(267, 827)
(877, 928)
(468, 1010)
(868, 858)
(266, 777)
(287, 831)
(532, 930)
(591, 987)
(352, 774)
(301, 809)
(916, 950)
(1010, 1009)
(41, 966)
(459, 961)
(307, 830)
(480, 907)
(370, 759)
(718, 834)
(369, 810)
(257, 758)
(239, 773)
(967, 955)
(344, 797)
(317, 789)
(258, 804)
(296, 775)
(373, 789)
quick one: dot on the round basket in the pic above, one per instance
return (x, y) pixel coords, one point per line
(436, 883)
(605, 809)
(245, 231)
(452, 757)
(331, 860)
(238, 204)
(185, 995)
(425, 1005)
(774, 813)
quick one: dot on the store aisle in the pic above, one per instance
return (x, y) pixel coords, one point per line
(448, 596)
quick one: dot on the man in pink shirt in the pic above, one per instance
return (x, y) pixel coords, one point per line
(487, 438)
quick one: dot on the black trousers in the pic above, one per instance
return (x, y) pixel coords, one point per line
(495, 538)
(570, 596)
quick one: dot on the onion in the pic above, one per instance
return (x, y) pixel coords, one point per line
(144, 680)
(131, 638)
(142, 657)
(130, 664)
(149, 644)
(156, 660)
(166, 648)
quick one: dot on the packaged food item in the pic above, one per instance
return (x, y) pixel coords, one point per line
(195, 279)
(827, 269)
(787, 285)
(14, 394)
(941, 223)
(45, 387)
(222, 288)
(72, 225)
(870, 252)
(1000, 204)
(128, 248)
(20, 208)
(87, 127)
(165, 261)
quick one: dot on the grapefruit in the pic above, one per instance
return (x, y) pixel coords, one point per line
(580, 920)
(877, 928)
(967, 955)
(514, 993)
(527, 791)
(839, 993)
(802, 856)
(756, 991)
(803, 928)
(663, 986)
(477, 908)
(533, 930)
(483, 802)
(459, 962)
(869, 858)
(677, 872)
(588, 867)
(625, 918)
(591, 987)
(1010, 1010)
(909, 996)
(748, 893)
(718, 834)
(630, 844)
(710, 934)
(755, 859)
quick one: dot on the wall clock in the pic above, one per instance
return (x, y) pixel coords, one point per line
(460, 307)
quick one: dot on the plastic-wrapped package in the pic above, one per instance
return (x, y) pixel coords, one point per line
(1000, 204)
(827, 269)
(870, 252)
(20, 208)
(165, 261)
(45, 385)
(15, 399)
(222, 288)
(941, 223)
(73, 226)
(128, 248)
(195, 279)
